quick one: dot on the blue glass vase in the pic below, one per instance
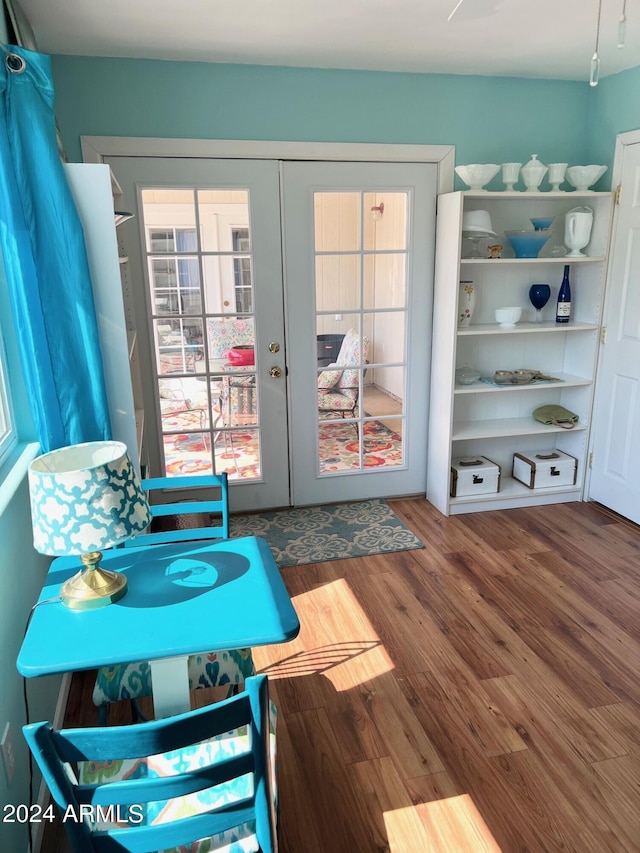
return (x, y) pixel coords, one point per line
(539, 295)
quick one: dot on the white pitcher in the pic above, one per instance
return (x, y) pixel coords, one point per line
(577, 230)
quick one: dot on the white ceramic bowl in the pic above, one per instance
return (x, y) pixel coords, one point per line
(476, 175)
(583, 177)
(508, 317)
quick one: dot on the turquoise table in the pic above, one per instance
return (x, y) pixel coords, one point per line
(181, 598)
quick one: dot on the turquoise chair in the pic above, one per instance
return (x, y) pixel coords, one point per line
(195, 519)
(201, 781)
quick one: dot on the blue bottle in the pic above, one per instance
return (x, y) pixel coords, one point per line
(563, 309)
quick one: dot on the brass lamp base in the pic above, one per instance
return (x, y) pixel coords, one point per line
(93, 587)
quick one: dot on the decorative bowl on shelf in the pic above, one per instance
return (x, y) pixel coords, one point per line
(476, 175)
(467, 375)
(508, 317)
(583, 177)
(527, 244)
(523, 377)
(503, 377)
(542, 223)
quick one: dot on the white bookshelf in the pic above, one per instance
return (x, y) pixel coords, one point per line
(496, 421)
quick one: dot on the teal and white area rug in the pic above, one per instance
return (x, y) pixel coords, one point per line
(320, 533)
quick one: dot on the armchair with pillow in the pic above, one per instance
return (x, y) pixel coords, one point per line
(339, 384)
(238, 397)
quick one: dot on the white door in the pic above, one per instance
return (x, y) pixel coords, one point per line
(359, 243)
(209, 317)
(615, 477)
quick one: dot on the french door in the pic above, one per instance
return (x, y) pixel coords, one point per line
(205, 276)
(226, 387)
(358, 269)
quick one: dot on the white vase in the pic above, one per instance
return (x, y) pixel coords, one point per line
(556, 175)
(533, 173)
(466, 303)
(577, 230)
(510, 173)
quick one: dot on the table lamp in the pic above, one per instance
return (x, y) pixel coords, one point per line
(85, 498)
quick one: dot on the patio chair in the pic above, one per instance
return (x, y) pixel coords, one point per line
(176, 402)
(238, 392)
(339, 383)
(203, 781)
(224, 670)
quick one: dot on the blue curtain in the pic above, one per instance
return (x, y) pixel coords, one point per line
(45, 259)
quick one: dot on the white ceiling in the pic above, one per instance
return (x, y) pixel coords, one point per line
(523, 38)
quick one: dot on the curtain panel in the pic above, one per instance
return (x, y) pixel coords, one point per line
(42, 243)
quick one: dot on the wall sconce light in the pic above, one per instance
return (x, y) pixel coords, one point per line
(377, 211)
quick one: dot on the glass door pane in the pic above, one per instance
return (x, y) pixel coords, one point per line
(199, 263)
(360, 254)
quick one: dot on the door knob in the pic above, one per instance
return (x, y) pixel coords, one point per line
(274, 346)
(275, 372)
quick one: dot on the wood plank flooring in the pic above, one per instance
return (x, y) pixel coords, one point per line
(482, 694)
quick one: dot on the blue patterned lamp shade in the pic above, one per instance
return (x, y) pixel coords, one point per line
(85, 498)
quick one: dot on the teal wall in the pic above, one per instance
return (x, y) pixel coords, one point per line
(614, 108)
(488, 119)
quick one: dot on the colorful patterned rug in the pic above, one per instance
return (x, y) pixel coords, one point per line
(321, 533)
(189, 452)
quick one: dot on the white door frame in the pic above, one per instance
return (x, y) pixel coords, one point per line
(631, 137)
(96, 148)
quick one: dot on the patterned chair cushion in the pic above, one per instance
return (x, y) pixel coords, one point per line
(241, 839)
(226, 669)
(342, 394)
(350, 354)
(227, 332)
(340, 401)
(328, 378)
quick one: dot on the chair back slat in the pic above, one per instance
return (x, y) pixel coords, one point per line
(217, 508)
(152, 738)
(152, 788)
(57, 751)
(176, 834)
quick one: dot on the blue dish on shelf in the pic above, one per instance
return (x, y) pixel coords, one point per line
(527, 244)
(541, 223)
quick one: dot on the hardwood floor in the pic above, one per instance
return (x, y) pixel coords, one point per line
(482, 694)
